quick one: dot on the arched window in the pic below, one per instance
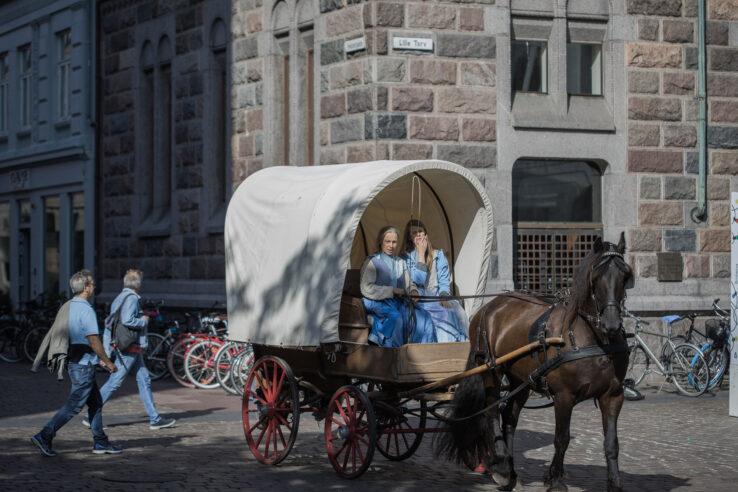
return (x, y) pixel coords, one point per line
(556, 218)
(163, 132)
(217, 114)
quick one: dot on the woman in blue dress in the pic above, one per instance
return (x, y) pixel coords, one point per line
(429, 270)
(385, 281)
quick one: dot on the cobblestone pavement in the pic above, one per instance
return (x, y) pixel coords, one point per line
(667, 443)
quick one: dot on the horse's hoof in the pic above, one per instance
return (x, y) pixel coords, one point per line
(557, 487)
(501, 480)
(611, 487)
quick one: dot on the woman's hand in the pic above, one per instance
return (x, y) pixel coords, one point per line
(421, 246)
(446, 304)
(414, 292)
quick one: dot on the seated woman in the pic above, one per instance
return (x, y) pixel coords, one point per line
(429, 270)
(384, 280)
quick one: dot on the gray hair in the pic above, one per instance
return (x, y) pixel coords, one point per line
(79, 281)
(383, 232)
(132, 279)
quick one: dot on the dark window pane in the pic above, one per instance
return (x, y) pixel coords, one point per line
(529, 69)
(584, 69)
(556, 191)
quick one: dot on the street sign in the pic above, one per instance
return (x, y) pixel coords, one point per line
(733, 404)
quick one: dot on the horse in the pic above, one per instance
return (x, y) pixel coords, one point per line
(590, 323)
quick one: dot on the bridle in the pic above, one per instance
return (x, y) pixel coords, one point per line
(596, 320)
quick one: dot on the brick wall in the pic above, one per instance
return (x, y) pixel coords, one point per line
(662, 133)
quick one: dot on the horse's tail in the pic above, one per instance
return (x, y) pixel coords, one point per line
(466, 438)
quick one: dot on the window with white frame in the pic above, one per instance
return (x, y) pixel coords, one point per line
(4, 92)
(24, 85)
(64, 67)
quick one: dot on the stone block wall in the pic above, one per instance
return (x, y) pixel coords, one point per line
(247, 89)
(662, 133)
(187, 258)
(388, 103)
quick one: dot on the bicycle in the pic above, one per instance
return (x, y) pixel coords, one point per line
(714, 342)
(675, 365)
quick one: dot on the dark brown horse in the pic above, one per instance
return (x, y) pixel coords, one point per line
(591, 317)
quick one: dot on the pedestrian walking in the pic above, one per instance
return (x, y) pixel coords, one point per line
(84, 350)
(127, 308)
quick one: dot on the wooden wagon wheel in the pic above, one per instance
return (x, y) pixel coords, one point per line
(396, 426)
(350, 432)
(271, 410)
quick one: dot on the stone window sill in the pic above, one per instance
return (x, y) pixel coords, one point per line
(159, 228)
(540, 111)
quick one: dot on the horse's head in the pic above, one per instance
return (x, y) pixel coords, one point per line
(609, 277)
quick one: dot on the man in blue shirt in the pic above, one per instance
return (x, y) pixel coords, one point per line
(84, 349)
(131, 358)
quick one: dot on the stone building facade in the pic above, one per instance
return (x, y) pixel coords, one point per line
(579, 116)
(47, 146)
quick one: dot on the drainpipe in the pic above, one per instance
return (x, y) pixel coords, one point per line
(699, 214)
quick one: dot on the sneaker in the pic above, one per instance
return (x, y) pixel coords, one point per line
(106, 449)
(86, 423)
(163, 422)
(44, 446)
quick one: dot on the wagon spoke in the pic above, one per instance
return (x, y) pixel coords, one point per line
(336, 421)
(281, 436)
(274, 434)
(361, 438)
(284, 421)
(341, 449)
(259, 422)
(257, 396)
(404, 438)
(268, 438)
(261, 435)
(278, 386)
(343, 414)
(346, 456)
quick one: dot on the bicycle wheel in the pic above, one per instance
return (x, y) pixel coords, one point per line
(717, 360)
(200, 364)
(155, 355)
(32, 341)
(223, 362)
(666, 350)
(637, 365)
(241, 368)
(10, 349)
(689, 371)
(175, 361)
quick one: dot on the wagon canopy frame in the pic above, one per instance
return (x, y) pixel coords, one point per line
(292, 233)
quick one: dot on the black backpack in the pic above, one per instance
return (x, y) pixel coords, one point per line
(121, 335)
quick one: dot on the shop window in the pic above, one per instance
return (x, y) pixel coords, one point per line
(557, 217)
(4, 92)
(78, 231)
(4, 252)
(51, 244)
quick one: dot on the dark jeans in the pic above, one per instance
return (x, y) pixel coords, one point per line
(84, 392)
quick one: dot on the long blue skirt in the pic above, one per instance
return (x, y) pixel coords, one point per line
(394, 324)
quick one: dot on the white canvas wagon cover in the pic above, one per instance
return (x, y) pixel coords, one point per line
(291, 233)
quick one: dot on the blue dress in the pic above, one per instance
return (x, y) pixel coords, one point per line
(394, 323)
(449, 324)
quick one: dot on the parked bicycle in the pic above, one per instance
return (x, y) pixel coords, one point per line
(714, 342)
(681, 363)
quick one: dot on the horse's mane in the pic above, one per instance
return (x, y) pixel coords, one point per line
(579, 290)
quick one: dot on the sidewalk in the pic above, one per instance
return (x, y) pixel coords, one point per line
(667, 443)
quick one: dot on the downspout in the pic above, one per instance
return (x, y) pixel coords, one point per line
(699, 213)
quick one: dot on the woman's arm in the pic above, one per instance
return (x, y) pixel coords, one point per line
(443, 273)
(369, 288)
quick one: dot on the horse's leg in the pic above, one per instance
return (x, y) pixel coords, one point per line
(510, 416)
(563, 406)
(610, 406)
(496, 461)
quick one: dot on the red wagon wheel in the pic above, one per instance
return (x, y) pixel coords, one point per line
(350, 432)
(271, 410)
(397, 425)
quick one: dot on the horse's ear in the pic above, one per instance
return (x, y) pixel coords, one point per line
(598, 246)
(621, 244)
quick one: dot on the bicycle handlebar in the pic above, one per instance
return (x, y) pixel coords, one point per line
(638, 320)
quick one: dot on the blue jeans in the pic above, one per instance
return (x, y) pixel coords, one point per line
(84, 392)
(129, 362)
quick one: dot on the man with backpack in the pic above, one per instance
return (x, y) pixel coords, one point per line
(125, 317)
(84, 348)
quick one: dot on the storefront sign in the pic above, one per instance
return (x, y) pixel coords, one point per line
(20, 179)
(420, 44)
(357, 44)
